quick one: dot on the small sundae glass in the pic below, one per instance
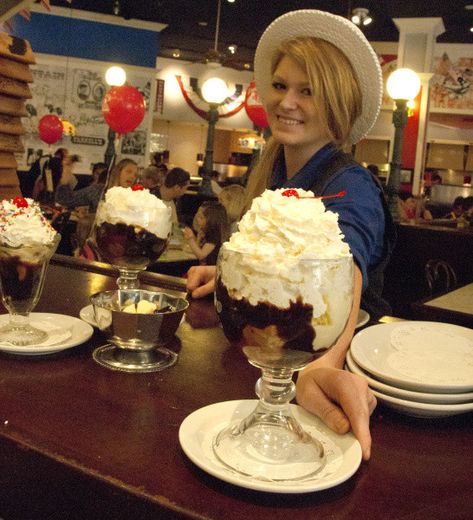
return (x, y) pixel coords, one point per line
(27, 242)
(284, 293)
(132, 230)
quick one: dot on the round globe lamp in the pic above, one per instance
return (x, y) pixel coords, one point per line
(115, 76)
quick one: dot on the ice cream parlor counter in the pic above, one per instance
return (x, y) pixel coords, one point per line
(80, 441)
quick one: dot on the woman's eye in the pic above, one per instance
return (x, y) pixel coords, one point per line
(278, 85)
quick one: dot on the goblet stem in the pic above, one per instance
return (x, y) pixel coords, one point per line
(20, 332)
(128, 279)
(270, 444)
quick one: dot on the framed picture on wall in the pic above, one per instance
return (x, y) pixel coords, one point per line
(406, 175)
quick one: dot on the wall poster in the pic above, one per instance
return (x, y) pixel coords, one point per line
(73, 90)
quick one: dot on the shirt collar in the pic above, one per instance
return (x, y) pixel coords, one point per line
(306, 176)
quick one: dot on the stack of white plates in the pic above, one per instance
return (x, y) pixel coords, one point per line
(420, 368)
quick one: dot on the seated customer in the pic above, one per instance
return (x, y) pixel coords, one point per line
(457, 209)
(151, 179)
(175, 185)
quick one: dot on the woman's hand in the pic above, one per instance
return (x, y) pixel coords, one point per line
(341, 399)
(201, 280)
(188, 233)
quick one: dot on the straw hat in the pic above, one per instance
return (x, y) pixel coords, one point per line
(342, 33)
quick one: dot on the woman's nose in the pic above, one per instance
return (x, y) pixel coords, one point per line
(289, 99)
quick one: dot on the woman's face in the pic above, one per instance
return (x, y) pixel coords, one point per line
(200, 219)
(293, 117)
(128, 175)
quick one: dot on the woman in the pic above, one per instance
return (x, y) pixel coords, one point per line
(232, 198)
(123, 174)
(322, 86)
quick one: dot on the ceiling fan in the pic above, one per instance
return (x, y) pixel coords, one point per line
(213, 57)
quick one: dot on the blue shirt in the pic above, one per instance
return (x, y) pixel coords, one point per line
(360, 211)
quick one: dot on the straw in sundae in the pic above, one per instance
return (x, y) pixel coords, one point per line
(285, 279)
(132, 227)
(27, 241)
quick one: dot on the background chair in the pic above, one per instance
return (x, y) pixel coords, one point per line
(440, 277)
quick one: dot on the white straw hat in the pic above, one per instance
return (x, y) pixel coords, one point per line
(342, 33)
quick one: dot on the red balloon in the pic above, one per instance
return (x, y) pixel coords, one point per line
(254, 108)
(50, 128)
(123, 108)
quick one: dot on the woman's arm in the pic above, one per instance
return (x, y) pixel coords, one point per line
(200, 252)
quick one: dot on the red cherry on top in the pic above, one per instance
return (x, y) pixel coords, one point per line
(293, 193)
(290, 193)
(137, 187)
(20, 202)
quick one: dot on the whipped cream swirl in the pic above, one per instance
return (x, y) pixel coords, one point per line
(23, 224)
(138, 208)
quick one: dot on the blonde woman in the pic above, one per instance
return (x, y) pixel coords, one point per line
(321, 84)
(123, 174)
(233, 199)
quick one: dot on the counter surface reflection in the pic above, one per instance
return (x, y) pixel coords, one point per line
(78, 441)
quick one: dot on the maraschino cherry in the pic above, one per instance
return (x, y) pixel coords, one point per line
(293, 193)
(20, 202)
(137, 187)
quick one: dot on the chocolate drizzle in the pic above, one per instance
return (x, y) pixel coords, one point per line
(293, 325)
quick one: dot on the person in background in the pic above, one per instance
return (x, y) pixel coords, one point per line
(97, 170)
(175, 185)
(212, 231)
(233, 199)
(216, 188)
(413, 209)
(321, 84)
(457, 209)
(151, 179)
(123, 174)
(51, 170)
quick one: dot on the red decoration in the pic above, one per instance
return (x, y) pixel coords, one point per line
(50, 128)
(20, 202)
(137, 187)
(254, 108)
(293, 193)
(123, 108)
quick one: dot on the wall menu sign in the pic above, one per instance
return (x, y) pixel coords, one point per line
(73, 89)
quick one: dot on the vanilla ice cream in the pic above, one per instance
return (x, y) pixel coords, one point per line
(289, 254)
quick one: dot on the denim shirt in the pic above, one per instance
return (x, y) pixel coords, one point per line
(360, 210)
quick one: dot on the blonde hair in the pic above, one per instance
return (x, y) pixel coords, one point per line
(114, 179)
(336, 94)
(233, 200)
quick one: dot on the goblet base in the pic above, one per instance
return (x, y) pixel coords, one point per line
(137, 361)
(22, 335)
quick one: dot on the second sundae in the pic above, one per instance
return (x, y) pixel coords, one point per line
(132, 227)
(285, 279)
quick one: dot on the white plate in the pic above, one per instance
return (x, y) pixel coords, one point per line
(409, 395)
(199, 429)
(79, 332)
(417, 355)
(424, 410)
(363, 318)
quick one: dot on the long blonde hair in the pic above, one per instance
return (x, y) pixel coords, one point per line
(233, 199)
(336, 94)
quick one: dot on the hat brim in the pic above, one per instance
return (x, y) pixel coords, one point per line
(342, 33)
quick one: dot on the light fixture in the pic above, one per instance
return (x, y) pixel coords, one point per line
(116, 7)
(214, 91)
(361, 16)
(115, 76)
(232, 48)
(176, 53)
(402, 85)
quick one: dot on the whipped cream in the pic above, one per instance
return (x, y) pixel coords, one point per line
(138, 208)
(279, 240)
(23, 224)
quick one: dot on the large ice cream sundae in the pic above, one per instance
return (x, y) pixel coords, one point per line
(26, 239)
(285, 279)
(27, 242)
(132, 227)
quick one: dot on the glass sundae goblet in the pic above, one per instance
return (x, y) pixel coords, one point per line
(132, 236)
(22, 273)
(281, 325)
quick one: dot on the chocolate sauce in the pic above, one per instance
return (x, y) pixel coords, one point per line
(293, 325)
(21, 282)
(120, 244)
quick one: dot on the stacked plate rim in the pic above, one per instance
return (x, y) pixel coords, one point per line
(423, 369)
